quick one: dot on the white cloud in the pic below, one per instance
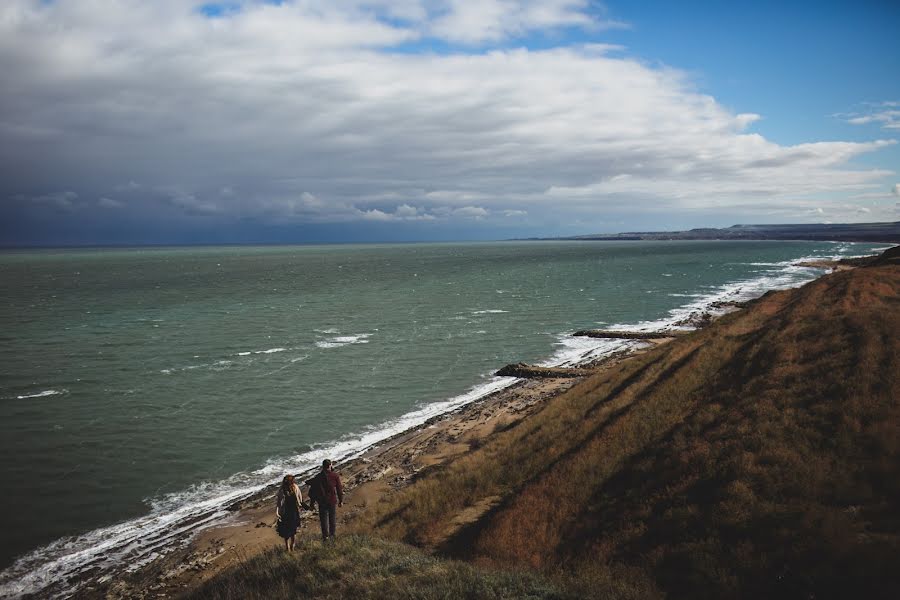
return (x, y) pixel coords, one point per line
(313, 209)
(886, 114)
(306, 111)
(470, 22)
(131, 186)
(405, 210)
(475, 212)
(191, 204)
(110, 203)
(62, 201)
(375, 215)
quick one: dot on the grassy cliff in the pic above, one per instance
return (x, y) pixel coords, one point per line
(757, 457)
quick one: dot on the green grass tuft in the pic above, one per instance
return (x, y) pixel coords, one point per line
(362, 567)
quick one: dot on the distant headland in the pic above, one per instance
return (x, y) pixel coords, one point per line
(836, 232)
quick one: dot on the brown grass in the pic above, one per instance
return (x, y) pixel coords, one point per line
(361, 568)
(756, 458)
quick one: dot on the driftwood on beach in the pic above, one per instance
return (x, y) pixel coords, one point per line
(531, 371)
(627, 335)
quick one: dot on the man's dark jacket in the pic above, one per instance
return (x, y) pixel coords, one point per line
(326, 488)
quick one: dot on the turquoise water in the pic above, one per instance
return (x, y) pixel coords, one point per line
(140, 387)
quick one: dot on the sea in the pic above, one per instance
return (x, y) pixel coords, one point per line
(143, 390)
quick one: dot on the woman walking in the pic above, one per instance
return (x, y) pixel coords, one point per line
(287, 510)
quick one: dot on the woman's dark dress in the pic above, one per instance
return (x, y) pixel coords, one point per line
(290, 518)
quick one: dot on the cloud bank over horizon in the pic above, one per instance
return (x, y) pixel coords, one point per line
(415, 113)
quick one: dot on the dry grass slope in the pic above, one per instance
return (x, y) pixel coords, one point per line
(362, 568)
(758, 457)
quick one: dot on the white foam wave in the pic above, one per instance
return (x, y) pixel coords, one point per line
(221, 365)
(776, 276)
(573, 351)
(490, 311)
(344, 340)
(42, 394)
(174, 518)
(269, 351)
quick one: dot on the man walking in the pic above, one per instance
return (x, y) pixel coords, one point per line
(326, 490)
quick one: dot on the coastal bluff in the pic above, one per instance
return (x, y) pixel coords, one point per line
(755, 457)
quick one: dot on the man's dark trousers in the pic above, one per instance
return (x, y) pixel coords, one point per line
(327, 519)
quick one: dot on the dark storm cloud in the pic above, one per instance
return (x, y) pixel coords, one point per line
(302, 113)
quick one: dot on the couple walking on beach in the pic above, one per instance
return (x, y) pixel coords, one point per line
(325, 489)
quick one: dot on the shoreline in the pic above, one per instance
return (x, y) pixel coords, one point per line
(379, 471)
(387, 465)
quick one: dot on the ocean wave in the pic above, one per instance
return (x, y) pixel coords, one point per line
(344, 340)
(175, 518)
(42, 394)
(222, 364)
(778, 276)
(490, 311)
(574, 351)
(269, 351)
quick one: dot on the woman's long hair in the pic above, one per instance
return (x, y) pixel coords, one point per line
(287, 485)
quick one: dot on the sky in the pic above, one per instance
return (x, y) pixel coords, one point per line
(248, 121)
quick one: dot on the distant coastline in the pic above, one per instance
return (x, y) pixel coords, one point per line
(844, 232)
(888, 232)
